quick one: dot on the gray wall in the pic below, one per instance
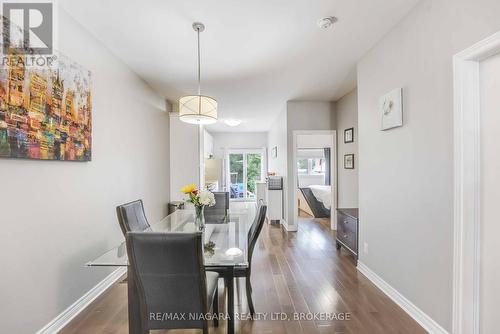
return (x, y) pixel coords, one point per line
(57, 215)
(406, 174)
(185, 153)
(228, 140)
(276, 137)
(298, 115)
(347, 179)
(303, 115)
(490, 194)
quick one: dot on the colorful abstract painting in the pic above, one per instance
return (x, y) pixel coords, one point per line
(45, 111)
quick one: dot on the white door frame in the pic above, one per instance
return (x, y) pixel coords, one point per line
(467, 109)
(244, 151)
(333, 173)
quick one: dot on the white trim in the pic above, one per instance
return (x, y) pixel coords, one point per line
(413, 311)
(71, 312)
(288, 228)
(333, 175)
(466, 249)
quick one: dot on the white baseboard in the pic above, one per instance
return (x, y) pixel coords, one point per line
(289, 228)
(71, 312)
(413, 311)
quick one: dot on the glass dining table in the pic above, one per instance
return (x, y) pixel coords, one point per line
(225, 249)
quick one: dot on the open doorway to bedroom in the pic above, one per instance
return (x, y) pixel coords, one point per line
(315, 177)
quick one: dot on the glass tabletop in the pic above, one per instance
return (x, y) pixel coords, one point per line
(225, 237)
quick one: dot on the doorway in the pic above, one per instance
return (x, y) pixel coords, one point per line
(477, 184)
(245, 167)
(489, 271)
(315, 176)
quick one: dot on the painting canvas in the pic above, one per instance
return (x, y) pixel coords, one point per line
(391, 109)
(45, 111)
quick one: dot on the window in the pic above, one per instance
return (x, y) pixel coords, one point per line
(317, 166)
(311, 166)
(302, 166)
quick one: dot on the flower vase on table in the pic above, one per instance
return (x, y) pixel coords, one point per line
(199, 216)
(200, 199)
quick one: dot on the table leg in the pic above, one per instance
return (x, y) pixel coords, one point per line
(134, 314)
(229, 278)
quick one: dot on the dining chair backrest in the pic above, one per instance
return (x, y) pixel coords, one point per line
(170, 275)
(132, 217)
(255, 229)
(221, 204)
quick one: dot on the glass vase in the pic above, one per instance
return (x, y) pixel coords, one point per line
(200, 216)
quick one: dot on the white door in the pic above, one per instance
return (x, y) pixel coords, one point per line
(490, 195)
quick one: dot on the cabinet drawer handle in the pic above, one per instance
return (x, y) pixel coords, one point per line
(346, 221)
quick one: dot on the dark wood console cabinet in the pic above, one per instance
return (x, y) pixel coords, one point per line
(347, 230)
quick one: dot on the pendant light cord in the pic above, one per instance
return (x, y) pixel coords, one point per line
(199, 63)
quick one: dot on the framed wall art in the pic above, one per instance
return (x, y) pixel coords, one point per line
(274, 152)
(391, 109)
(349, 135)
(349, 161)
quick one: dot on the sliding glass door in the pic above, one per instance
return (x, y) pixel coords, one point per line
(236, 176)
(245, 167)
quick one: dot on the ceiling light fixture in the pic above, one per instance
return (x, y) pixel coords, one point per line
(327, 22)
(232, 122)
(198, 109)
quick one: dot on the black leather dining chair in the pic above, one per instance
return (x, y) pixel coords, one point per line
(132, 217)
(253, 235)
(171, 280)
(218, 212)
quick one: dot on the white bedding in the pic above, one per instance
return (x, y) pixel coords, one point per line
(323, 194)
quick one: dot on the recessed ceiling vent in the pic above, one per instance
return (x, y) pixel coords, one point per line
(327, 22)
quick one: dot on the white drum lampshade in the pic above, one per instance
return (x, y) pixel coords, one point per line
(198, 109)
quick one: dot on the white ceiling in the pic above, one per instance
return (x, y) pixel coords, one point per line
(256, 54)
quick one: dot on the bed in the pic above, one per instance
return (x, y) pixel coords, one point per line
(319, 199)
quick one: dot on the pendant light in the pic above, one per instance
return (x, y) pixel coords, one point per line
(198, 109)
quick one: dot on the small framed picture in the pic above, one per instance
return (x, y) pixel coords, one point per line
(349, 135)
(274, 152)
(349, 161)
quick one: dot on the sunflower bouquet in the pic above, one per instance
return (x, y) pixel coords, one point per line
(200, 198)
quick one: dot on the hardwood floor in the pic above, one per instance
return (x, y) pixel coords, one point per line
(323, 221)
(292, 273)
(304, 214)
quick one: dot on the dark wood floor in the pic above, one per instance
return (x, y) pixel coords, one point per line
(292, 273)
